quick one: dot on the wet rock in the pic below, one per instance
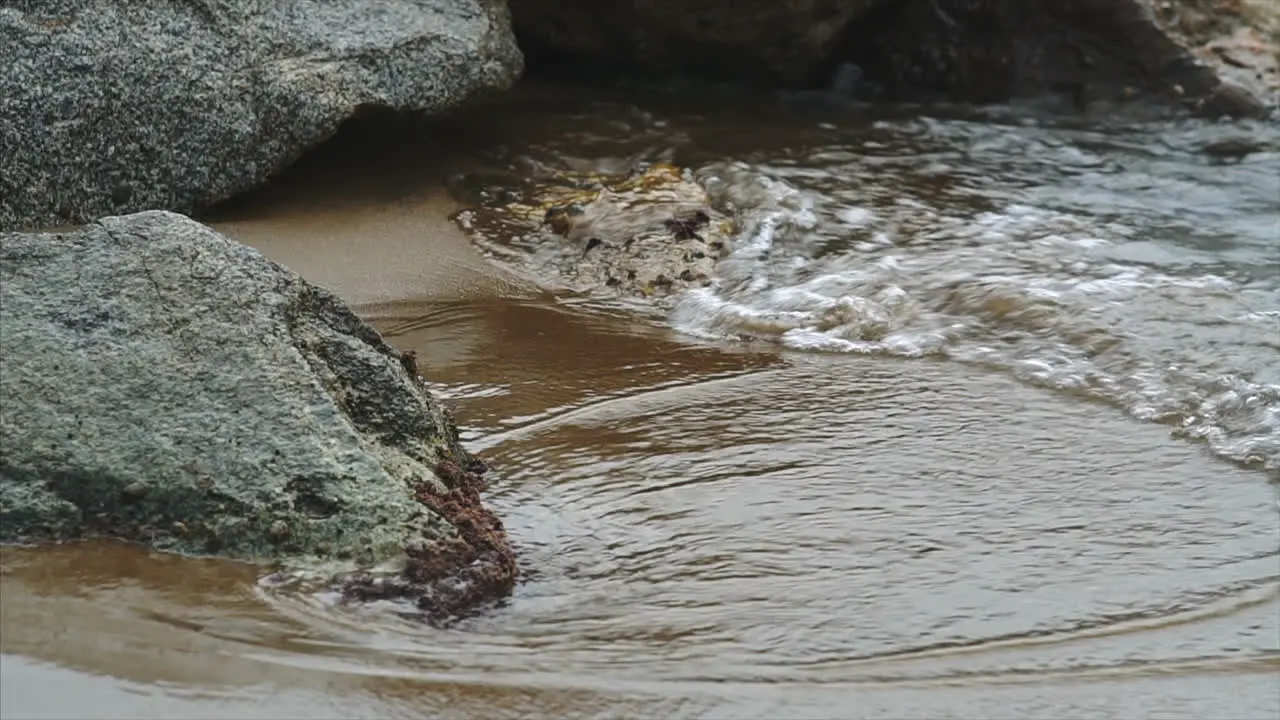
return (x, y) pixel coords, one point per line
(1084, 50)
(1239, 39)
(1232, 149)
(165, 385)
(974, 51)
(995, 50)
(451, 573)
(110, 107)
(781, 40)
(846, 89)
(650, 234)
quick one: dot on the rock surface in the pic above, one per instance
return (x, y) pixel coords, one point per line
(110, 107)
(963, 50)
(776, 39)
(649, 234)
(166, 385)
(1240, 39)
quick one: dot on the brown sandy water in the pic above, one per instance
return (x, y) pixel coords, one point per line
(734, 524)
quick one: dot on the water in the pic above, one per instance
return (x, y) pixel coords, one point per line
(1093, 262)
(1120, 259)
(977, 421)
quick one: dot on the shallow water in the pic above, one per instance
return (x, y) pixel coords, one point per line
(1118, 257)
(900, 461)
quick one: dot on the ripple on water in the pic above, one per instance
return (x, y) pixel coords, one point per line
(850, 527)
(847, 523)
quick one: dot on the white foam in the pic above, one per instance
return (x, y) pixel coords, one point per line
(856, 217)
(1023, 288)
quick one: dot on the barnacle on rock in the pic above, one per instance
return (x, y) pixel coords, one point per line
(448, 575)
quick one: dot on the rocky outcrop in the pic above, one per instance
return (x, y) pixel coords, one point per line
(165, 385)
(965, 50)
(111, 107)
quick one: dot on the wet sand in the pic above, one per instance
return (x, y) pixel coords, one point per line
(374, 254)
(368, 216)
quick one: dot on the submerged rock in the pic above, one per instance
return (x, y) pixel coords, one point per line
(166, 385)
(649, 234)
(113, 107)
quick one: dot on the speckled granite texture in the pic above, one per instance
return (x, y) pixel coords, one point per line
(109, 107)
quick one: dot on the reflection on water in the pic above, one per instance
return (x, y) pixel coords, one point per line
(516, 362)
(904, 510)
(949, 510)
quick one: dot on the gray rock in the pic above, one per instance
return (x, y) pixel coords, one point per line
(976, 51)
(164, 384)
(112, 107)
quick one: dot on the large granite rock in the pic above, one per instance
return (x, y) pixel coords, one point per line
(963, 50)
(113, 107)
(166, 385)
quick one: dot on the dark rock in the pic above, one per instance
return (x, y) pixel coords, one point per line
(995, 50)
(779, 40)
(975, 51)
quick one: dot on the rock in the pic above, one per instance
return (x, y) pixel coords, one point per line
(1239, 39)
(649, 234)
(166, 385)
(1232, 149)
(995, 50)
(974, 51)
(109, 107)
(779, 40)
